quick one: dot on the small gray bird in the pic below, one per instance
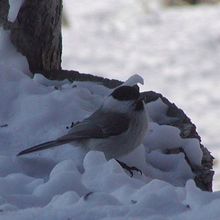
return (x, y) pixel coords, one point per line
(116, 128)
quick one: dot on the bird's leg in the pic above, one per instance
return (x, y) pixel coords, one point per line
(128, 168)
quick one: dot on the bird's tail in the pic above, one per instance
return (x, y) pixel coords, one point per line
(44, 146)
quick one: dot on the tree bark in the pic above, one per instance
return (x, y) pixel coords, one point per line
(4, 8)
(36, 33)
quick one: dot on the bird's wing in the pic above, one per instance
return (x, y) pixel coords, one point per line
(98, 125)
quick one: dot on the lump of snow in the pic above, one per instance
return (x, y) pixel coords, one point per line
(15, 6)
(133, 80)
(66, 199)
(165, 137)
(12, 59)
(100, 175)
(157, 111)
(60, 182)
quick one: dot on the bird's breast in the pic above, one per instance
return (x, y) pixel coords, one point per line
(117, 146)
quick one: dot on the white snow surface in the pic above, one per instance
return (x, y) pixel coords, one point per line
(70, 183)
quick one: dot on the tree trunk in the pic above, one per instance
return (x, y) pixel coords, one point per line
(36, 33)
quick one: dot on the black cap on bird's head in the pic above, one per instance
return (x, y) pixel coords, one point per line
(129, 93)
(126, 93)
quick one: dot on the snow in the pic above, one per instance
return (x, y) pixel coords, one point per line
(7, 50)
(71, 183)
(15, 5)
(135, 79)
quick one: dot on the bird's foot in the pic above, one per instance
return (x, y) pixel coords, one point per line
(128, 168)
(87, 195)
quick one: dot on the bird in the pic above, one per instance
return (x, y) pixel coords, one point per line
(116, 128)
